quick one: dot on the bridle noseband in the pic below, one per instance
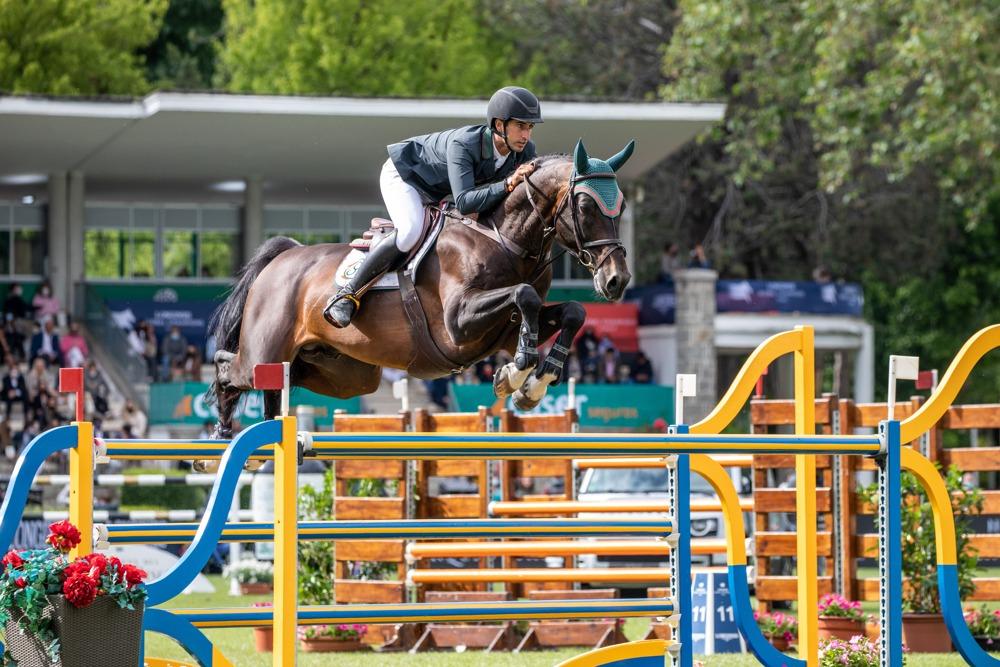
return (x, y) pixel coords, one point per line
(582, 252)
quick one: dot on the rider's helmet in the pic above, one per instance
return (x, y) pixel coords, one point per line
(514, 103)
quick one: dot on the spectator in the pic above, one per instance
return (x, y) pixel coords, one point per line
(16, 308)
(134, 419)
(698, 258)
(46, 305)
(670, 261)
(642, 369)
(609, 366)
(93, 380)
(45, 345)
(624, 374)
(605, 345)
(74, 347)
(14, 338)
(7, 440)
(147, 334)
(31, 431)
(192, 364)
(39, 375)
(174, 351)
(15, 390)
(45, 405)
(586, 347)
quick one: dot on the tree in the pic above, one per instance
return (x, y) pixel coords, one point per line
(76, 47)
(418, 48)
(183, 55)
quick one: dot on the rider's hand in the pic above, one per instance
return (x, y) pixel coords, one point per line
(520, 173)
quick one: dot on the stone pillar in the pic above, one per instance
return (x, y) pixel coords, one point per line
(75, 218)
(253, 216)
(695, 321)
(626, 231)
(57, 235)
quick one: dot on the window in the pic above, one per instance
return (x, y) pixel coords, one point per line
(154, 241)
(312, 225)
(22, 239)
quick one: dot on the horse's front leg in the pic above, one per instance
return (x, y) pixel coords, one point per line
(478, 313)
(567, 318)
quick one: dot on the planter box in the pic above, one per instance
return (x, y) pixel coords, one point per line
(926, 633)
(328, 645)
(256, 589)
(101, 634)
(263, 640)
(831, 627)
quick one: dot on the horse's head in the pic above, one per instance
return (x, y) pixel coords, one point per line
(590, 206)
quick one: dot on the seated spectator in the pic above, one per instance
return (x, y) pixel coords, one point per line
(31, 431)
(38, 375)
(7, 440)
(485, 370)
(46, 305)
(642, 369)
(207, 430)
(45, 345)
(95, 385)
(698, 258)
(609, 366)
(45, 405)
(134, 419)
(192, 364)
(147, 334)
(670, 261)
(624, 374)
(14, 338)
(17, 309)
(15, 390)
(174, 350)
(74, 347)
(586, 346)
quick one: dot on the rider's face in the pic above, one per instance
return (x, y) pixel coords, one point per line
(518, 134)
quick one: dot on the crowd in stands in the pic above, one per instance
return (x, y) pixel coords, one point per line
(36, 340)
(170, 359)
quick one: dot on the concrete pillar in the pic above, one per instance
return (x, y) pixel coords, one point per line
(864, 367)
(74, 234)
(253, 216)
(626, 231)
(57, 235)
(695, 321)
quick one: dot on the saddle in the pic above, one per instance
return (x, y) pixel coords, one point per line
(428, 360)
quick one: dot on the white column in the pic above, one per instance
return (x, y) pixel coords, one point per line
(57, 234)
(253, 216)
(74, 235)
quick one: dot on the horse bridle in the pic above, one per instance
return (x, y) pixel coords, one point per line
(582, 252)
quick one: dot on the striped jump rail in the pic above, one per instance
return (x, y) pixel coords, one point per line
(724, 460)
(517, 575)
(522, 507)
(423, 550)
(431, 612)
(104, 516)
(150, 479)
(386, 530)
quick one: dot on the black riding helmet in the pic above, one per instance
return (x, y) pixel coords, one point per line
(513, 103)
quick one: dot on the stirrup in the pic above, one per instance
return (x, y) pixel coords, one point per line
(343, 294)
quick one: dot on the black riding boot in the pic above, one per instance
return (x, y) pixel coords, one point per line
(383, 257)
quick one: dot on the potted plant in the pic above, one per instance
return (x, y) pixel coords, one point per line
(840, 618)
(326, 638)
(263, 636)
(924, 630)
(74, 614)
(985, 627)
(255, 577)
(780, 629)
(859, 651)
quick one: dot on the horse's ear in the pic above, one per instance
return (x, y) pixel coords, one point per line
(616, 161)
(580, 158)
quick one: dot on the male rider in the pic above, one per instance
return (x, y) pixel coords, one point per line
(477, 165)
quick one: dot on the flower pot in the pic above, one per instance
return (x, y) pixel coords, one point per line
(329, 644)
(988, 643)
(263, 639)
(100, 634)
(256, 589)
(926, 633)
(834, 627)
(779, 643)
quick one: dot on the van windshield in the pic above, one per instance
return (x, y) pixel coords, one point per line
(638, 480)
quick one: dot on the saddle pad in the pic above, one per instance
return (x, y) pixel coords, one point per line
(349, 265)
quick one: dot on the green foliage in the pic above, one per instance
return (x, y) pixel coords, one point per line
(76, 47)
(316, 556)
(183, 55)
(920, 591)
(354, 47)
(166, 497)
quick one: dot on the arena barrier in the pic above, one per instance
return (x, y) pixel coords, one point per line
(684, 449)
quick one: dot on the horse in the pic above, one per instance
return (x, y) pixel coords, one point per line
(482, 290)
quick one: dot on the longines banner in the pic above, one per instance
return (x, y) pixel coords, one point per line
(601, 406)
(184, 403)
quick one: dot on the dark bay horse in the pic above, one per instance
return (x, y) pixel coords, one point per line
(479, 294)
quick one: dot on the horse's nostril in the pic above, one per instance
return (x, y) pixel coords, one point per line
(613, 283)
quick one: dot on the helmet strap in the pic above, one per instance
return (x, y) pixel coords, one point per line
(503, 133)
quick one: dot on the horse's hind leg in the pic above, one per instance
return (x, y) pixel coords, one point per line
(567, 318)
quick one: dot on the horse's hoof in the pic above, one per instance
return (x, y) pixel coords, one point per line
(205, 467)
(253, 465)
(523, 403)
(501, 387)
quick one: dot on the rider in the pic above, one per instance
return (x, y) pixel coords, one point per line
(477, 165)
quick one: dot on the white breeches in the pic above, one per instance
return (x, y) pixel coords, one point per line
(405, 206)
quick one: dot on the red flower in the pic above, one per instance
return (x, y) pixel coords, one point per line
(79, 566)
(12, 560)
(63, 536)
(133, 575)
(80, 590)
(20, 582)
(98, 564)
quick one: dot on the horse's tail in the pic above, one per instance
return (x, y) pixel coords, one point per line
(228, 318)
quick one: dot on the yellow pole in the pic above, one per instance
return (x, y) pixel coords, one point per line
(81, 487)
(807, 563)
(285, 543)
